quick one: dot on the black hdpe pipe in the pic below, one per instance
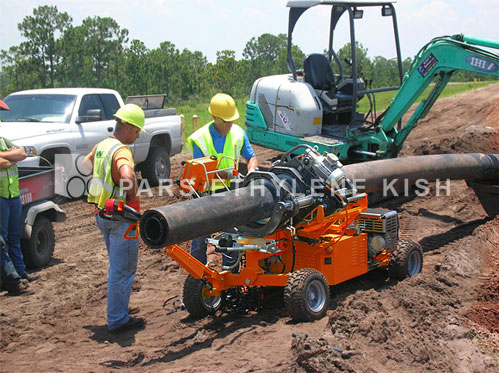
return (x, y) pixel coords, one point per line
(183, 221)
(378, 174)
(170, 224)
(481, 171)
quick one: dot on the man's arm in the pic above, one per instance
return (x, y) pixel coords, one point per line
(88, 162)
(249, 154)
(128, 181)
(196, 152)
(124, 174)
(4, 163)
(14, 154)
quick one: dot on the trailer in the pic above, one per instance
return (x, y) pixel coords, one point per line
(37, 189)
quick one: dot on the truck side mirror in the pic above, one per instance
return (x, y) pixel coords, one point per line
(92, 116)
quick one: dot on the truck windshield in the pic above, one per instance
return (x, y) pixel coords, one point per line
(38, 108)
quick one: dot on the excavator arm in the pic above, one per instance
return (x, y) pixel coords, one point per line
(436, 61)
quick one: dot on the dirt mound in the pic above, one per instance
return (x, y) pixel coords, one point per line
(465, 123)
(443, 320)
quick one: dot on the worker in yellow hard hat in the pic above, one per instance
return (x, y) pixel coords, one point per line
(114, 178)
(228, 142)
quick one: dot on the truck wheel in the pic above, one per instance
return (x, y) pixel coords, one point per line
(156, 166)
(306, 295)
(196, 299)
(40, 247)
(406, 260)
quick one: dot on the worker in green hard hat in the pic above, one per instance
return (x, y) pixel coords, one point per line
(114, 178)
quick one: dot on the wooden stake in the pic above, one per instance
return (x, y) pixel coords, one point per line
(194, 123)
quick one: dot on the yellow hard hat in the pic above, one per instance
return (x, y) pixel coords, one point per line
(132, 114)
(224, 107)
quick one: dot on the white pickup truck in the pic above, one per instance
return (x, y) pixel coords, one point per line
(54, 121)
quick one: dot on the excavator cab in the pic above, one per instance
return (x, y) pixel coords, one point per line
(318, 104)
(339, 93)
(335, 98)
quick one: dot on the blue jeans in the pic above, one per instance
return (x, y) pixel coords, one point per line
(11, 226)
(123, 255)
(198, 251)
(9, 278)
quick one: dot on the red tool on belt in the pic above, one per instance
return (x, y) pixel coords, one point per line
(118, 210)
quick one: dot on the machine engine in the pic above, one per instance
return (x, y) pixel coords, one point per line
(301, 184)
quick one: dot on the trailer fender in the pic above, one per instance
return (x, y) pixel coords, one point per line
(48, 208)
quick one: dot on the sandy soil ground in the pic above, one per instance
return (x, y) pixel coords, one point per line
(443, 320)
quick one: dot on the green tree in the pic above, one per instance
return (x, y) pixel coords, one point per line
(136, 68)
(364, 65)
(191, 75)
(224, 72)
(265, 48)
(75, 67)
(21, 71)
(265, 55)
(103, 41)
(164, 65)
(117, 56)
(39, 30)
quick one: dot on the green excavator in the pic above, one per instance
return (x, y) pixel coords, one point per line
(318, 107)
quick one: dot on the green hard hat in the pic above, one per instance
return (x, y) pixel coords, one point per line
(132, 114)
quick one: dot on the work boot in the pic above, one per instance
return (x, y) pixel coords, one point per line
(31, 276)
(133, 323)
(21, 288)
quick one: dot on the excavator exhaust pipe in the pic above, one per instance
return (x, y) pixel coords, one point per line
(183, 221)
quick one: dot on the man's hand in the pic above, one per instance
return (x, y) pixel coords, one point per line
(252, 164)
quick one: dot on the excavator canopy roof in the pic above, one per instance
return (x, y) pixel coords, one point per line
(311, 3)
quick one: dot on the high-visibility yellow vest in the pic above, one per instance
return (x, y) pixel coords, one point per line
(9, 177)
(102, 186)
(234, 142)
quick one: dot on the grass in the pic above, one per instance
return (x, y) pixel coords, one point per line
(383, 99)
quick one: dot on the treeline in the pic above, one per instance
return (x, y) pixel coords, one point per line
(98, 53)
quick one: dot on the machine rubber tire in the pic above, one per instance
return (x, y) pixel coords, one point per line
(40, 247)
(195, 302)
(306, 295)
(156, 166)
(406, 260)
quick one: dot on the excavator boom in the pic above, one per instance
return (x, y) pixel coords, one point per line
(439, 59)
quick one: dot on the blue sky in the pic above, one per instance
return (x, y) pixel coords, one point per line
(213, 25)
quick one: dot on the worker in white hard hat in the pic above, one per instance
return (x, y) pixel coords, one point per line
(228, 142)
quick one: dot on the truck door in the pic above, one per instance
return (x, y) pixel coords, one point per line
(96, 126)
(94, 131)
